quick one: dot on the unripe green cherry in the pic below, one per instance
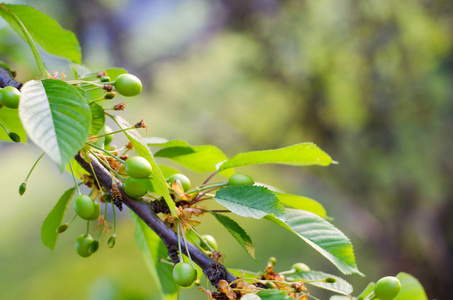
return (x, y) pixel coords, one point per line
(83, 245)
(128, 85)
(112, 241)
(184, 274)
(387, 288)
(240, 179)
(84, 207)
(138, 167)
(210, 240)
(97, 210)
(185, 182)
(300, 267)
(10, 97)
(135, 187)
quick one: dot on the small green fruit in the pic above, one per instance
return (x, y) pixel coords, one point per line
(138, 167)
(210, 240)
(84, 207)
(184, 274)
(128, 85)
(300, 267)
(10, 97)
(183, 179)
(387, 288)
(83, 245)
(240, 179)
(135, 187)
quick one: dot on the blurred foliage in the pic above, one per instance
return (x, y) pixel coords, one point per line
(369, 81)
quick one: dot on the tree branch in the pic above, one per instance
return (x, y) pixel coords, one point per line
(212, 269)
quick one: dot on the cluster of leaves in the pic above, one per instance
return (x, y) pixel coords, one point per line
(64, 119)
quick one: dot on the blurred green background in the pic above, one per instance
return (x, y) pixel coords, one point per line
(370, 82)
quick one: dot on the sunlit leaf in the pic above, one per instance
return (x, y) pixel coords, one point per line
(56, 118)
(10, 119)
(53, 220)
(97, 118)
(250, 201)
(302, 203)
(322, 236)
(198, 158)
(45, 31)
(153, 249)
(159, 183)
(411, 289)
(237, 232)
(340, 286)
(304, 154)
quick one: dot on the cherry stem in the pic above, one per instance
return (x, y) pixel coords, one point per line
(181, 258)
(107, 166)
(197, 198)
(106, 152)
(73, 177)
(210, 177)
(32, 168)
(113, 132)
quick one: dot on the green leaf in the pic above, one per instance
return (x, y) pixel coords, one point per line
(250, 201)
(341, 286)
(10, 119)
(97, 118)
(411, 289)
(237, 232)
(113, 73)
(53, 220)
(152, 249)
(159, 183)
(168, 171)
(56, 117)
(302, 203)
(304, 154)
(43, 30)
(322, 236)
(198, 158)
(164, 143)
(272, 294)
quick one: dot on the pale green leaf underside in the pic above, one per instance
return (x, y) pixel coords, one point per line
(322, 236)
(341, 286)
(237, 232)
(304, 154)
(47, 32)
(159, 183)
(411, 289)
(250, 201)
(56, 117)
(54, 219)
(302, 203)
(10, 119)
(152, 249)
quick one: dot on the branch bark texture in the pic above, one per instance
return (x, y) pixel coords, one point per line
(212, 269)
